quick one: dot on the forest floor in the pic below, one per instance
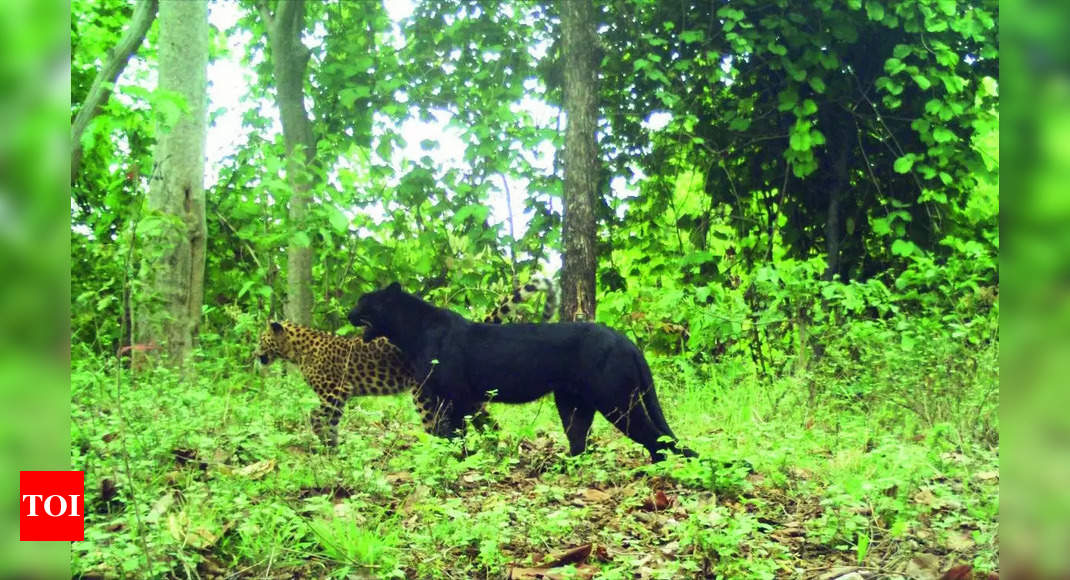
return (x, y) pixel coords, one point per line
(221, 477)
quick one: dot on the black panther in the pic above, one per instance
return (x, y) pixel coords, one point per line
(588, 367)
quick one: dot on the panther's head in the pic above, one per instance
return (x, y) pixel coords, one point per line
(272, 343)
(373, 308)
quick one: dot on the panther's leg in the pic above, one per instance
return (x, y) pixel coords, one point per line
(576, 417)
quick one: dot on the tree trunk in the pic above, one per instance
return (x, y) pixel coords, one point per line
(579, 45)
(290, 61)
(838, 150)
(173, 231)
(832, 236)
(100, 90)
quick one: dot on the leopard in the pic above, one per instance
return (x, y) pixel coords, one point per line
(339, 368)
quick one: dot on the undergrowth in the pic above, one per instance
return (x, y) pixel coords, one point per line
(873, 453)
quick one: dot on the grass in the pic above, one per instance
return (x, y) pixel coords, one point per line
(220, 475)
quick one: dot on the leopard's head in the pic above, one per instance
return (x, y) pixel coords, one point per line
(274, 343)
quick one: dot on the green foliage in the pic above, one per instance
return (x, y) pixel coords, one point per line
(857, 374)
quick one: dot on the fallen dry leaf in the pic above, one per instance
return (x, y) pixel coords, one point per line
(925, 497)
(591, 495)
(257, 470)
(923, 567)
(657, 501)
(670, 548)
(990, 475)
(954, 457)
(959, 542)
(582, 572)
(961, 572)
(160, 507)
(399, 477)
(843, 573)
(418, 495)
(343, 510)
(570, 556)
(181, 530)
(966, 572)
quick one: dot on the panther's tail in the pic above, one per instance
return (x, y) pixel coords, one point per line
(649, 399)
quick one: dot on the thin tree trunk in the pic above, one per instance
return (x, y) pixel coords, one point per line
(100, 90)
(172, 270)
(839, 149)
(832, 236)
(290, 62)
(580, 41)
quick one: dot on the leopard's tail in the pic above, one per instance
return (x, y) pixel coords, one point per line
(548, 289)
(505, 311)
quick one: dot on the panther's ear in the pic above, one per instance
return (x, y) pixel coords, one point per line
(394, 288)
(275, 326)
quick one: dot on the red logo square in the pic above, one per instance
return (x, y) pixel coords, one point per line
(51, 506)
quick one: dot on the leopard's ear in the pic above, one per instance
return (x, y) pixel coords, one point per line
(275, 326)
(394, 288)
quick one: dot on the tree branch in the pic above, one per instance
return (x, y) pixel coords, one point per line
(100, 90)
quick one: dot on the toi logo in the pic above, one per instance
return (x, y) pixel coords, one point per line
(51, 506)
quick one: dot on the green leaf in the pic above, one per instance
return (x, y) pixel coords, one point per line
(690, 36)
(904, 163)
(817, 84)
(474, 211)
(935, 25)
(946, 6)
(990, 86)
(875, 11)
(893, 65)
(904, 248)
(923, 82)
(787, 99)
(339, 221)
(729, 13)
(105, 301)
(800, 137)
(901, 51)
(881, 226)
(739, 124)
(301, 240)
(944, 135)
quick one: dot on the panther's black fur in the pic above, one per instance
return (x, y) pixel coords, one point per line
(587, 366)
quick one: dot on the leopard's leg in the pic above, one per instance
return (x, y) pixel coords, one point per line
(482, 420)
(434, 413)
(445, 418)
(325, 419)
